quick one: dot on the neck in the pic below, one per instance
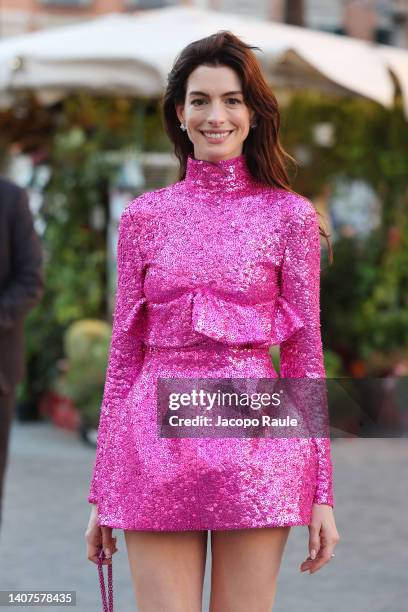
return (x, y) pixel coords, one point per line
(226, 175)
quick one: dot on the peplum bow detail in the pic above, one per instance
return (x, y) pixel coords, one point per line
(286, 321)
(132, 319)
(202, 313)
(226, 320)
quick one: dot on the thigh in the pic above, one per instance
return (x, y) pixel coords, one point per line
(244, 568)
(167, 569)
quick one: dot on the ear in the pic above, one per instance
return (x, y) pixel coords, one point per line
(252, 117)
(180, 113)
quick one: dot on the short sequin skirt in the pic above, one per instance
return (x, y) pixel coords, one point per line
(191, 483)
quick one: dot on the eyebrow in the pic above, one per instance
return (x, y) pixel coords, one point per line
(202, 93)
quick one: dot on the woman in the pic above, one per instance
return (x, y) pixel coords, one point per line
(212, 270)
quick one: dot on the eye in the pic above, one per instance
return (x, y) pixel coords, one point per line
(234, 100)
(197, 100)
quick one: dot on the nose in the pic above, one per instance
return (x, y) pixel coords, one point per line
(216, 113)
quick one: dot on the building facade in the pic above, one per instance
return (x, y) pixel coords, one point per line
(384, 21)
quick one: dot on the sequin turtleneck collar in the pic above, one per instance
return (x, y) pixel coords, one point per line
(227, 175)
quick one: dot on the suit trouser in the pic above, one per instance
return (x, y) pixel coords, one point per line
(7, 404)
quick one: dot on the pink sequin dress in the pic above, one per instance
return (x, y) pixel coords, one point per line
(212, 270)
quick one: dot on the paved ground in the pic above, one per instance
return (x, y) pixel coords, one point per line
(46, 513)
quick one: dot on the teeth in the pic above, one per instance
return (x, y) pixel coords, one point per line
(215, 135)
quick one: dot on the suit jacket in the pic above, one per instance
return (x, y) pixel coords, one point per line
(21, 279)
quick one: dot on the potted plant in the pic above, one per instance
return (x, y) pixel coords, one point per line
(86, 346)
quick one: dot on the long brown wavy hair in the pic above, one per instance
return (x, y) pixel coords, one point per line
(264, 154)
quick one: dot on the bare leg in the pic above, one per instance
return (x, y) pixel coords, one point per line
(167, 569)
(245, 566)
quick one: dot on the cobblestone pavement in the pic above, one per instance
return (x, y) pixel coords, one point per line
(46, 513)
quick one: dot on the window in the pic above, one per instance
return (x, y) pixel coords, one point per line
(67, 3)
(148, 4)
(383, 36)
(323, 15)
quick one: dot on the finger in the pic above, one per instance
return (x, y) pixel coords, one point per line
(103, 541)
(312, 563)
(93, 552)
(93, 555)
(307, 564)
(95, 559)
(325, 557)
(314, 540)
(107, 541)
(100, 556)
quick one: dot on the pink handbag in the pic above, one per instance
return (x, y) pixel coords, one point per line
(107, 607)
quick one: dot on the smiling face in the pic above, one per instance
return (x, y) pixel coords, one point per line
(215, 114)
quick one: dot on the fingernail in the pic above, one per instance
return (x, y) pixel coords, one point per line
(108, 553)
(313, 553)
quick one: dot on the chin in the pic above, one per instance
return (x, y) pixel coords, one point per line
(222, 149)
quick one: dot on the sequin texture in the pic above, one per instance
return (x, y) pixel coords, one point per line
(212, 270)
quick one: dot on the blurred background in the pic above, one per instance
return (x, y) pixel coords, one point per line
(81, 132)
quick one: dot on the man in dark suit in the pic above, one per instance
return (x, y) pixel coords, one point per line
(21, 288)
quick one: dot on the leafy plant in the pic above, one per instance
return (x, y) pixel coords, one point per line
(364, 294)
(86, 345)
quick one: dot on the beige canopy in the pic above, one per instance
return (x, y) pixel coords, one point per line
(132, 54)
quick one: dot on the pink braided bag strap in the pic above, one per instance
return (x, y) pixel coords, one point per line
(107, 607)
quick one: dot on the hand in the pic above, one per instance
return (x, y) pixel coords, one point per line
(97, 536)
(323, 537)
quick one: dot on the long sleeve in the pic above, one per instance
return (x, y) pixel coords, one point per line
(126, 350)
(26, 286)
(301, 355)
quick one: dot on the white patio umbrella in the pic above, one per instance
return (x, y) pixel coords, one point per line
(132, 54)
